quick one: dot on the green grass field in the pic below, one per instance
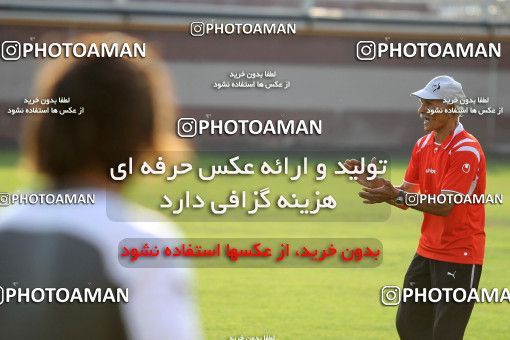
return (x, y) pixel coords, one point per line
(329, 303)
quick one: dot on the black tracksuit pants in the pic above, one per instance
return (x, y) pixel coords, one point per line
(440, 320)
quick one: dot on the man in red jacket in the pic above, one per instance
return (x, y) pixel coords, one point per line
(446, 161)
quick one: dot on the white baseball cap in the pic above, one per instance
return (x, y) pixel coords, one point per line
(441, 87)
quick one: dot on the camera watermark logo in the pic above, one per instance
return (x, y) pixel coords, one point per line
(5, 199)
(187, 127)
(197, 29)
(200, 28)
(366, 50)
(15, 50)
(63, 295)
(411, 199)
(394, 295)
(390, 295)
(11, 50)
(190, 127)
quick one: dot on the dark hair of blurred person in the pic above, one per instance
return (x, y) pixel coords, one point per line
(127, 108)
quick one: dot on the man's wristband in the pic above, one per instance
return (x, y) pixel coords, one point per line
(401, 198)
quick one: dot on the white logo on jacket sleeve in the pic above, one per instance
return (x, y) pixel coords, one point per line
(466, 167)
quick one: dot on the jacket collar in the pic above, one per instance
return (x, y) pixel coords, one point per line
(458, 129)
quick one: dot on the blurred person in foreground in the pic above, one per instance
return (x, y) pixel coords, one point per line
(447, 160)
(126, 104)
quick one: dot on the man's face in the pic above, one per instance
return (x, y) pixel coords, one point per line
(433, 121)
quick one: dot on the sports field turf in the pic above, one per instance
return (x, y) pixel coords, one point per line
(330, 303)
